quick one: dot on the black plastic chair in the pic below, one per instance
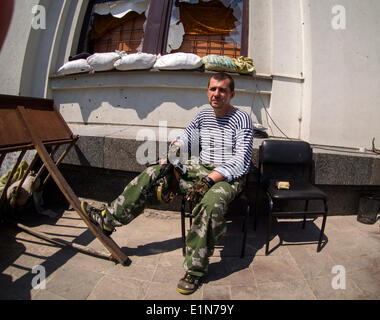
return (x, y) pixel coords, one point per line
(240, 204)
(291, 161)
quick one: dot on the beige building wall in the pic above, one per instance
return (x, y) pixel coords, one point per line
(316, 82)
(344, 74)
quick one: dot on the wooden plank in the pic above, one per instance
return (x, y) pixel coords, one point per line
(62, 242)
(11, 100)
(30, 146)
(49, 124)
(12, 129)
(111, 246)
(60, 159)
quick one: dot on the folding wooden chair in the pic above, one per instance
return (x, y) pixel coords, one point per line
(32, 123)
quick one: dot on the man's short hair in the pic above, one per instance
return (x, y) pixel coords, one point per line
(223, 76)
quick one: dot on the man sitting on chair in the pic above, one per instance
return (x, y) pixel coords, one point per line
(224, 136)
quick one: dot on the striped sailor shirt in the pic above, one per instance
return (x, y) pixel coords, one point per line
(223, 141)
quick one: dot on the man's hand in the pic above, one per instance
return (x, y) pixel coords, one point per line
(174, 152)
(198, 190)
(163, 162)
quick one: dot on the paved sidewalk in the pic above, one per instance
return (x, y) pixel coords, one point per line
(294, 270)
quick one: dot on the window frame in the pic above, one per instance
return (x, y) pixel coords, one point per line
(157, 27)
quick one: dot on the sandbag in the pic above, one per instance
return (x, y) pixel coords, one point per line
(30, 185)
(178, 61)
(16, 176)
(75, 66)
(103, 61)
(223, 63)
(245, 65)
(219, 63)
(135, 61)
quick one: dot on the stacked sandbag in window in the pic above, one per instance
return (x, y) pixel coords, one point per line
(104, 61)
(135, 61)
(223, 63)
(75, 66)
(178, 61)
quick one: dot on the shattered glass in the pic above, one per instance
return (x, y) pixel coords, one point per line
(119, 25)
(206, 27)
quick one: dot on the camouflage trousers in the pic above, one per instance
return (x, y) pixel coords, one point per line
(209, 225)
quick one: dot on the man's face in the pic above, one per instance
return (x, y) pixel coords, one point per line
(219, 94)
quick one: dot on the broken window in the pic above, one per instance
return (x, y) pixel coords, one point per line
(117, 25)
(206, 27)
(196, 26)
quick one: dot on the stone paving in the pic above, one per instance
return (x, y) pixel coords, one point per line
(292, 271)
